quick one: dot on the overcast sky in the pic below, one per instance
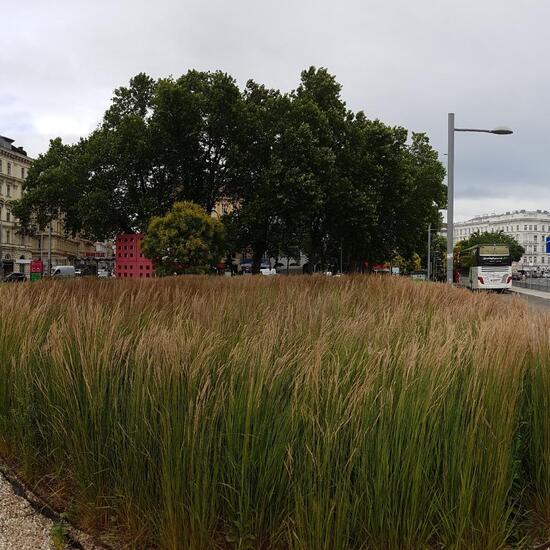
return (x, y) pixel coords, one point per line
(406, 62)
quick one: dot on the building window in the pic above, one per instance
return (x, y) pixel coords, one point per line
(536, 228)
(9, 168)
(22, 172)
(535, 248)
(524, 228)
(8, 189)
(8, 216)
(530, 228)
(535, 238)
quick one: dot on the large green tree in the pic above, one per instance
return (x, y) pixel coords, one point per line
(159, 142)
(184, 239)
(493, 237)
(289, 162)
(302, 171)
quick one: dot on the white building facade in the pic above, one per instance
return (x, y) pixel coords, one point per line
(529, 228)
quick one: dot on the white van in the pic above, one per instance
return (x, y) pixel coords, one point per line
(64, 271)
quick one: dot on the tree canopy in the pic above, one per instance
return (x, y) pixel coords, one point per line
(302, 172)
(493, 237)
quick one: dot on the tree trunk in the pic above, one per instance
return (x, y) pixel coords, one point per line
(257, 256)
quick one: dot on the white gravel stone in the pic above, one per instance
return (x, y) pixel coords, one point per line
(21, 528)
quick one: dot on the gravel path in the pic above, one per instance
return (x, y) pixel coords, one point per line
(21, 528)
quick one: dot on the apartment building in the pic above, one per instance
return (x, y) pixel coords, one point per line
(65, 249)
(529, 227)
(17, 249)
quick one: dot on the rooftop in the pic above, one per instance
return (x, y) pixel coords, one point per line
(6, 143)
(509, 214)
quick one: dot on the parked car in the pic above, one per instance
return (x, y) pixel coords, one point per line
(103, 273)
(64, 271)
(15, 278)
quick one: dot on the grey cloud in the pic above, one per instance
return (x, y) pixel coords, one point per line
(407, 63)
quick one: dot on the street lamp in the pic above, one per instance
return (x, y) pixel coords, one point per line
(428, 263)
(499, 131)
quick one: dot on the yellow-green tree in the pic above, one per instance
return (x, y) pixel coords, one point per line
(404, 265)
(185, 240)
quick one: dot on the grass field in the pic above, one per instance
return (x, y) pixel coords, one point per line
(301, 413)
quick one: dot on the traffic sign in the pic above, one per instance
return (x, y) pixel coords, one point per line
(37, 266)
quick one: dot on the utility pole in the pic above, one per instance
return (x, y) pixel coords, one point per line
(450, 195)
(429, 249)
(50, 249)
(499, 131)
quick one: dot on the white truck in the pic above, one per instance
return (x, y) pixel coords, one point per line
(64, 272)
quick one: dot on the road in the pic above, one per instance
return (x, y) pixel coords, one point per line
(534, 284)
(536, 303)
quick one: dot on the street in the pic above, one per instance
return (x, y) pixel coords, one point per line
(535, 302)
(532, 283)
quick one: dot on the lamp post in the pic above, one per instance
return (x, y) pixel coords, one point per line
(50, 249)
(500, 131)
(429, 269)
(429, 250)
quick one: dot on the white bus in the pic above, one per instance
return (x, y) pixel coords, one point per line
(486, 267)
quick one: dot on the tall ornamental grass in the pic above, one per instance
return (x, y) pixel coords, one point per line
(302, 413)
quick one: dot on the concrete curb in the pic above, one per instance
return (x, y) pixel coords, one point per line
(529, 292)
